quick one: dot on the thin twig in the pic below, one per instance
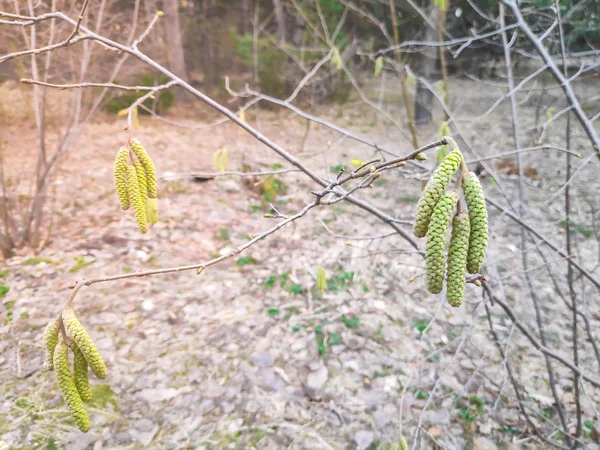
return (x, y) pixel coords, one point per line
(511, 376)
(574, 326)
(148, 29)
(523, 150)
(79, 20)
(449, 43)
(560, 78)
(145, 97)
(525, 329)
(92, 85)
(210, 175)
(474, 316)
(330, 188)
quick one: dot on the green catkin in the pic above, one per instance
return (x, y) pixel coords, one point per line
(67, 387)
(137, 200)
(80, 374)
(457, 259)
(435, 252)
(434, 190)
(148, 165)
(142, 180)
(478, 239)
(50, 341)
(82, 339)
(120, 167)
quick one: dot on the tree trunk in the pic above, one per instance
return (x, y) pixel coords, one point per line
(280, 19)
(176, 57)
(424, 97)
(244, 17)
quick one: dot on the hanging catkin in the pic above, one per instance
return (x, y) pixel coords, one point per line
(479, 222)
(457, 259)
(67, 387)
(137, 200)
(435, 253)
(50, 341)
(119, 176)
(82, 339)
(434, 190)
(142, 180)
(148, 165)
(80, 374)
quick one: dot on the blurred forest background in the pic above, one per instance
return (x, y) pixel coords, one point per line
(322, 334)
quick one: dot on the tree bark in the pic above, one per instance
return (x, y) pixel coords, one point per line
(175, 55)
(244, 17)
(401, 68)
(280, 19)
(423, 97)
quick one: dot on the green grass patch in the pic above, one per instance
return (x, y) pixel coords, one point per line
(35, 261)
(577, 228)
(223, 234)
(245, 260)
(340, 281)
(337, 169)
(80, 263)
(350, 322)
(270, 281)
(421, 324)
(103, 395)
(334, 339)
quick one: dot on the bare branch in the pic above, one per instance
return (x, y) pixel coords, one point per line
(208, 175)
(533, 340)
(79, 20)
(449, 43)
(48, 48)
(93, 85)
(524, 150)
(148, 30)
(545, 241)
(560, 78)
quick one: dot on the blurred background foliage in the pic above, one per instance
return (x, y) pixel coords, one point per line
(272, 44)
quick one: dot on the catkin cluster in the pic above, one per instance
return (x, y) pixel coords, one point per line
(468, 240)
(478, 238)
(75, 386)
(434, 190)
(135, 183)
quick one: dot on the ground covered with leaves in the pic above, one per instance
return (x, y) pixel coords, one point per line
(251, 353)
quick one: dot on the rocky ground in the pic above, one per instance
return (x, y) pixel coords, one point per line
(250, 354)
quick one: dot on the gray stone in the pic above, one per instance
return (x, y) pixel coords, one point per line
(227, 407)
(206, 406)
(122, 437)
(315, 365)
(157, 394)
(79, 441)
(144, 425)
(230, 185)
(363, 439)
(268, 379)
(483, 443)
(371, 396)
(317, 379)
(143, 431)
(441, 417)
(381, 419)
(188, 400)
(262, 359)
